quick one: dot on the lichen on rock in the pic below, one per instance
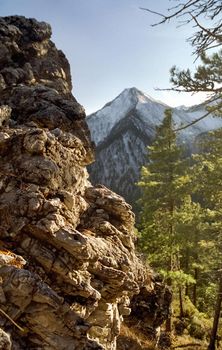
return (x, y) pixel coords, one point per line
(68, 265)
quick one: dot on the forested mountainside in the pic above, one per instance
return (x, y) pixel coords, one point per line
(124, 127)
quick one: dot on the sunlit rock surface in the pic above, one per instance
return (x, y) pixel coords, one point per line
(68, 266)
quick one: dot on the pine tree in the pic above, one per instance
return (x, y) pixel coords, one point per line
(191, 227)
(209, 166)
(164, 182)
(206, 226)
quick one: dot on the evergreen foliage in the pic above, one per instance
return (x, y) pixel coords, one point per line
(164, 183)
(197, 217)
(181, 215)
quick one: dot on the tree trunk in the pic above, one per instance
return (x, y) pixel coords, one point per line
(172, 267)
(187, 256)
(196, 259)
(195, 287)
(181, 303)
(213, 336)
(168, 325)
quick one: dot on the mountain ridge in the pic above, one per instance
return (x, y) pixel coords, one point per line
(123, 129)
(115, 110)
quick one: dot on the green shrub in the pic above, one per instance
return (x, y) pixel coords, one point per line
(179, 326)
(197, 330)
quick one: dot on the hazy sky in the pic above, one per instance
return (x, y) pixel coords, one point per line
(111, 46)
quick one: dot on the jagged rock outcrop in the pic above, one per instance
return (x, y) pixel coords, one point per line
(68, 267)
(149, 309)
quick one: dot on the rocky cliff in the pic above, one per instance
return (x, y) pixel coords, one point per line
(68, 266)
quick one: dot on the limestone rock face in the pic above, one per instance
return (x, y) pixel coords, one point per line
(68, 267)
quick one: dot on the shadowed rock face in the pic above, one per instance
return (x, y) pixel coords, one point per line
(68, 267)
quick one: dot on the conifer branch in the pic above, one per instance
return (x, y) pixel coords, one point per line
(212, 110)
(193, 122)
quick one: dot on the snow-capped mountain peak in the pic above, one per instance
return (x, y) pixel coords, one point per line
(129, 100)
(138, 105)
(124, 127)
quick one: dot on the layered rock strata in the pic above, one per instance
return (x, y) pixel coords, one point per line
(68, 267)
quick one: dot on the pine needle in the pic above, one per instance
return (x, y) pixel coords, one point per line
(10, 319)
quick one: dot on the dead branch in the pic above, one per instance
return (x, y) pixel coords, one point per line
(10, 319)
(191, 10)
(186, 345)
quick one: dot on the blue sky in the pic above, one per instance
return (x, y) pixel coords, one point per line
(111, 46)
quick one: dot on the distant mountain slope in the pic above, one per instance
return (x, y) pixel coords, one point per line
(124, 127)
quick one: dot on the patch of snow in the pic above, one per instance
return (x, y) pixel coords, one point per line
(150, 111)
(101, 122)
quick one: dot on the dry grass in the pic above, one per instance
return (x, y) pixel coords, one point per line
(135, 339)
(182, 341)
(16, 261)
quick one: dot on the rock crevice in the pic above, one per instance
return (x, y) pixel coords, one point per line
(68, 266)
